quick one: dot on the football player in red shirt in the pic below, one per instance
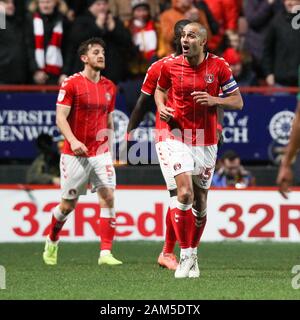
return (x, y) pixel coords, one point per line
(167, 257)
(85, 105)
(195, 79)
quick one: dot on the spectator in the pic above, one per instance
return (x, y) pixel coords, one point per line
(45, 168)
(231, 173)
(12, 48)
(226, 13)
(242, 73)
(144, 36)
(47, 28)
(259, 14)
(76, 8)
(99, 22)
(181, 9)
(213, 24)
(122, 8)
(281, 56)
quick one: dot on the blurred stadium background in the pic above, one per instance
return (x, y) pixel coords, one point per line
(260, 40)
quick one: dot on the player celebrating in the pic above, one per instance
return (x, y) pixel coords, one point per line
(195, 79)
(84, 115)
(167, 257)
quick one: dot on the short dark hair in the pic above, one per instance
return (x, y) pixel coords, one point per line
(177, 34)
(84, 46)
(230, 155)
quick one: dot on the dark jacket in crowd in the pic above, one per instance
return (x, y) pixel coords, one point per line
(49, 22)
(259, 14)
(13, 62)
(118, 43)
(282, 50)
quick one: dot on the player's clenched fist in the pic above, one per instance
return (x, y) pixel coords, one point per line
(204, 98)
(78, 148)
(166, 113)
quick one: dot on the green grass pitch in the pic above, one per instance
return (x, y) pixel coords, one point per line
(229, 270)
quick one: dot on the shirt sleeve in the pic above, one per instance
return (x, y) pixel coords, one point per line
(227, 81)
(150, 81)
(113, 94)
(66, 94)
(164, 80)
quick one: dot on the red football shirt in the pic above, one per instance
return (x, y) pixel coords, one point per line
(197, 124)
(149, 86)
(90, 104)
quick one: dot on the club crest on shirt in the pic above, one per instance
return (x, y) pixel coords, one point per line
(209, 78)
(108, 96)
(61, 95)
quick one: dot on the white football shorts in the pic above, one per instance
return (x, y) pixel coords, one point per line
(77, 172)
(164, 162)
(200, 161)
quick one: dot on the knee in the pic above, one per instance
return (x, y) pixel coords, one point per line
(67, 206)
(200, 202)
(108, 199)
(185, 195)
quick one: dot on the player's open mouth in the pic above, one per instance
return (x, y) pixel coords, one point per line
(185, 48)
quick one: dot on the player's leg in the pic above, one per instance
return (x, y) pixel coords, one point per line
(73, 172)
(103, 179)
(107, 226)
(199, 221)
(182, 165)
(167, 257)
(205, 164)
(183, 220)
(59, 217)
(199, 216)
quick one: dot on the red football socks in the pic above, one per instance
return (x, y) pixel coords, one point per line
(182, 222)
(199, 222)
(170, 239)
(57, 222)
(107, 228)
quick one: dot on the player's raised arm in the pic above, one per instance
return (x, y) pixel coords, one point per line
(62, 113)
(285, 175)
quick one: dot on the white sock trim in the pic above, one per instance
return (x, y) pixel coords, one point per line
(194, 250)
(59, 216)
(52, 242)
(183, 207)
(104, 253)
(107, 213)
(185, 252)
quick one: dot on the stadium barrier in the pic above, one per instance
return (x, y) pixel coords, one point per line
(258, 133)
(250, 214)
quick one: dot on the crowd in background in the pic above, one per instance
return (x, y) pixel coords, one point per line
(39, 45)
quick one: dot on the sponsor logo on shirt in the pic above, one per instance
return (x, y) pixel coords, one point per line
(61, 95)
(108, 96)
